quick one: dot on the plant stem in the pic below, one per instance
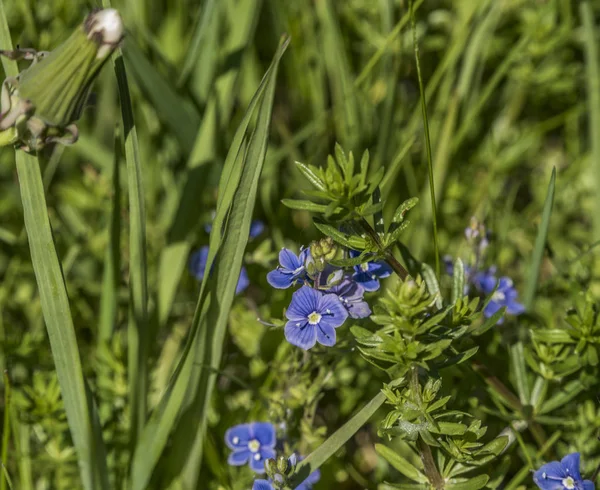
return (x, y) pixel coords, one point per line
(425, 453)
(389, 256)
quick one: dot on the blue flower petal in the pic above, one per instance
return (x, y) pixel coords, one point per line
(197, 264)
(485, 282)
(238, 436)
(257, 461)
(325, 334)
(256, 228)
(380, 268)
(263, 432)
(243, 281)
(570, 464)
(303, 336)
(514, 308)
(262, 485)
(366, 281)
(333, 313)
(549, 476)
(280, 279)
(359, 309)
(491, 309)
(304, 302)
(588, 485)
(239, 458)
(289, 260)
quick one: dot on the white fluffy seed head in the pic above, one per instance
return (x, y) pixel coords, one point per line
(109, 22)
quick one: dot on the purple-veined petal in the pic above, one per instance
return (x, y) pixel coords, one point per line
(325, 334)
(280, 279)
(304, 336)
(239, 458)
(304, 302)
(570, 464)
(263, 432)
(262, 485)
(332, 310)
(358, 309)
(237, 437)
(289, 260)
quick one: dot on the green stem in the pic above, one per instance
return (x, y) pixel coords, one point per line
(389, 256)
(431, 471)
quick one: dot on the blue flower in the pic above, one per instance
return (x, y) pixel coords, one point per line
(291, 269)
(307, 484)
(198, 267)
(563, 475)
(256, 228)
(350, 293)
(368, 274)
(253, 443)
(262, 485)
(504, 295)
(313, 316)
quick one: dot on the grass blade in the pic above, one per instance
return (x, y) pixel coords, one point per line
(59, 323)
(592, 66)
(112, 263)
(337, 440)
(428, 145)
(540, 245)
(239, 200)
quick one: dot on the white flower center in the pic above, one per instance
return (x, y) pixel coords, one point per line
(364, 266)
(254, 446)
(498, 297)
(568, 483)
(314, 318)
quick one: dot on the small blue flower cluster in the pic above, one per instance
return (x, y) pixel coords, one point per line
(318, 308)
(254, 443)
(562, 476)
(485, 281)
(198, 259)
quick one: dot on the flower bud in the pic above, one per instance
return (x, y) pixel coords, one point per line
(44, 100)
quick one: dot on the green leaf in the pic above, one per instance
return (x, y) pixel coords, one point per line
(552, 336)
(489, 322)
(178, 114)
(138, 329)
(565, 395)
(337, 440)
(473, 484)
(401, 464)
(79, 406)
(310, 174)
(237, 193)
(458, 280)
(540, 245)
(304, 205)
(518, 371)
(404, 208)
(353, 242)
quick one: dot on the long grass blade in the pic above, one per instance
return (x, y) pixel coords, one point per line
(427, 144)
(236, 200)
(337, 440)
(540, 245)
(592, 76)
(59, 324)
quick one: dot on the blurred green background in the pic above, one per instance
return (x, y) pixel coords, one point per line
(513, 90)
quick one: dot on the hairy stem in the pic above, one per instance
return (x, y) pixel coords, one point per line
(389, 256)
